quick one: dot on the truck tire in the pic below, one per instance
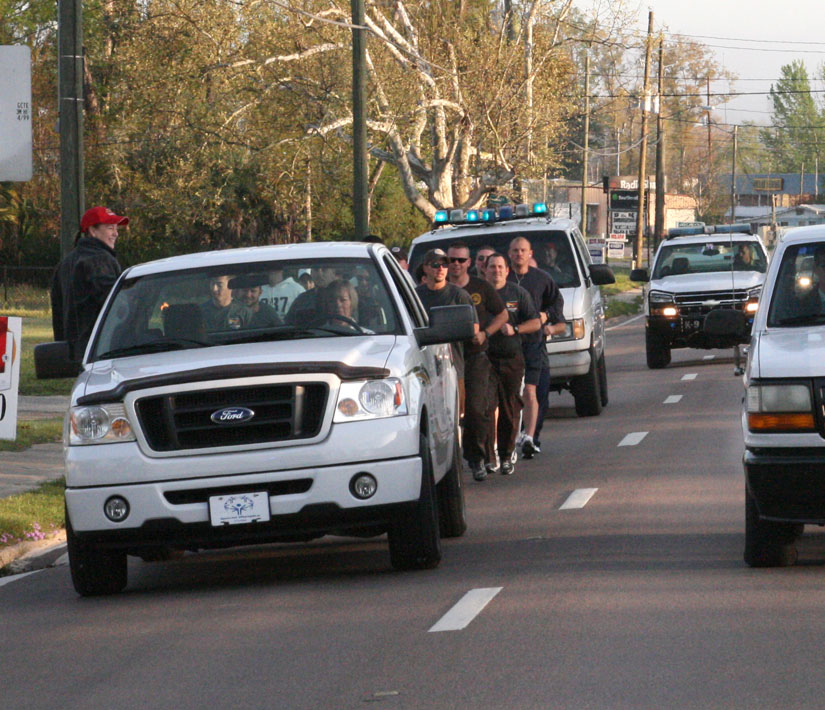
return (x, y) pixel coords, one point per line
(452, 516)
(415, 542)
(767, 544)
(94, 571)
(657, 350)
(586, 390)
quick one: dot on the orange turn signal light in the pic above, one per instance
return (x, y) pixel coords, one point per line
(791, 421)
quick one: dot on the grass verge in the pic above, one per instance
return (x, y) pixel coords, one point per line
(34, 431)
(34, 515)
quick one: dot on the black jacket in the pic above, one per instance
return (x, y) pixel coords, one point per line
(80, 285)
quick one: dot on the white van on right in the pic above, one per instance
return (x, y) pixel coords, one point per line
(783, 415)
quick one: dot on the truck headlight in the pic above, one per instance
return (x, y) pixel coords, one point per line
(373, 399)
(752, 304)
(661, 304)
(102, 424)
(780, 408)
(573, 330)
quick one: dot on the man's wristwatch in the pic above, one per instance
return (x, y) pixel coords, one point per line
(515, 329)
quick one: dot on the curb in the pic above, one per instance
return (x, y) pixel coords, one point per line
(22, 556)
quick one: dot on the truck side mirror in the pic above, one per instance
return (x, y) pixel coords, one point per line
(448, 324)
(640, 275)
(53, 360)
(602, 274)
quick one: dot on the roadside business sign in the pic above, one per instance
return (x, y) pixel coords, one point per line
(615, 249)
(15, 113)
(10, 340)
(618, 237)
(624, 200)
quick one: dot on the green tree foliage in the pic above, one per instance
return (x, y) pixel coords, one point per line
(797, 137)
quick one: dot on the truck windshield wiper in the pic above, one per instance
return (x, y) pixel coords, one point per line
(287, 332)
(153, 346)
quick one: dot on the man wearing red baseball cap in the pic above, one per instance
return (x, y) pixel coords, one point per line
(83, 279)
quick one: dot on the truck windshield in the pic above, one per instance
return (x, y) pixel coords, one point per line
(551, 250)
(676, 259)
(247, 302)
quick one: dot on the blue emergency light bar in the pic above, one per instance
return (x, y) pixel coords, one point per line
(490, 215)
(709, 229)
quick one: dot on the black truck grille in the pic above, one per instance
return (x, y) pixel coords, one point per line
(183, 420)
(698, 304)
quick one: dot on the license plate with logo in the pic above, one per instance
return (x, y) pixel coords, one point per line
(239, 508)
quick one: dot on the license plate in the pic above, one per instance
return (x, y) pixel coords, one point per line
(239, 508)
(692, 324)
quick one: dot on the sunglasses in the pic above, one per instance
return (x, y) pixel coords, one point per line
(437, 264)
(459, 259)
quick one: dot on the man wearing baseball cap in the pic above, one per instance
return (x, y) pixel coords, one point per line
(83, 279)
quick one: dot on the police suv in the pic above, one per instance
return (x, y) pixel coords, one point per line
(196, 422)
(697, 270)
(577, 356)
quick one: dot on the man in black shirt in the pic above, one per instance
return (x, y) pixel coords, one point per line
(84, 278)
(478, 381)
(550, 304)
(507, 359)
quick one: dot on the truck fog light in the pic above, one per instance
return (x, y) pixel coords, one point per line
(363, 485)
(116, 509)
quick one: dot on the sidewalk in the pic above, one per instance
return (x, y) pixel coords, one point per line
(21, 471)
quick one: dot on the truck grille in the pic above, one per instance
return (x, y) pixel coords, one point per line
(699, 304)
(183, 421)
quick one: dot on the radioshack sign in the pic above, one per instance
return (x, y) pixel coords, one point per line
(10, 334)
(15, 113)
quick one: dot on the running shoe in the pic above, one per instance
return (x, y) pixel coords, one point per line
(478, 469)
(528, 448)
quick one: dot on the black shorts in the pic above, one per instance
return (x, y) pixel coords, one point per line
(534, 362)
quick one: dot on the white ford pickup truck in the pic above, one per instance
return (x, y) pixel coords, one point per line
(219, 403)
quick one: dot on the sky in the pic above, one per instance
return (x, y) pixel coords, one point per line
(752, 39)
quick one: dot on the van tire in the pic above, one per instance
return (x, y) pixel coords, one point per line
(657, 351)
(452, 513)
(415, 542)
(602, 369)
(586, 390)
(767, 544)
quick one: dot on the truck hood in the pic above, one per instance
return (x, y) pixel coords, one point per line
(789, 353)
(355, 351)
(708, 283)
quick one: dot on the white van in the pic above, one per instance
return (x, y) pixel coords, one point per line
(576, 357)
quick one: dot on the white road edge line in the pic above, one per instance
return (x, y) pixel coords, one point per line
(633, 438)
(627, 322)
(466, 609)
(691, 376)
(578, 498)
(14, 577)
(672, 399)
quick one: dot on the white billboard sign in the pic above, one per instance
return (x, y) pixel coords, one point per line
(15, 113)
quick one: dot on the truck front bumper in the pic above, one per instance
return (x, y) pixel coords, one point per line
(787, 486)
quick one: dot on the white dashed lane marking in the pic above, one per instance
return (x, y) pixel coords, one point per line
(578, 498)
(633, 438)
(691, 376)
(466, 609)
(672, 399)
(709, 357)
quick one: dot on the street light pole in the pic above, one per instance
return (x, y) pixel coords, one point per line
(359, 122)
(586, 142)
(70, 113)
(640, 217)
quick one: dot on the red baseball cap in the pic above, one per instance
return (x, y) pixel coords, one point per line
(100, 215)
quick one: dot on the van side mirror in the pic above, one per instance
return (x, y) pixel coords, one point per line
(448, 324)
(53, 360)
(640, 275)
(602, 274)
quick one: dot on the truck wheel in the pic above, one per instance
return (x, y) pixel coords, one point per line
(586, 390)
(658, 352)
(452, 517)
(414, 539)
(94, 571)
(767, 544)
(602, 369)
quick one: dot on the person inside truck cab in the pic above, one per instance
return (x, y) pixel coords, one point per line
(246, 289)
(221, 311)
(306, 307)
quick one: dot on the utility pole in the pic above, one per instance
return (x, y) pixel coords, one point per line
(70, 112)
(659, 225)
(733, 179)
(586, 140)
(640, 217)
(359, 122)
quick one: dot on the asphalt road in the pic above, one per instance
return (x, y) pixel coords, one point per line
(630, 596)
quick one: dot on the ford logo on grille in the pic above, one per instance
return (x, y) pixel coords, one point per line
(229, 415)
